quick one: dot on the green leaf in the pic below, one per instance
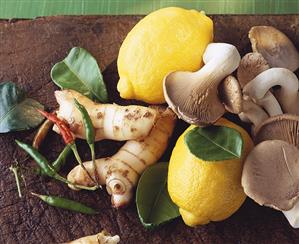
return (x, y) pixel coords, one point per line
(214, 143)
(16, 111)
(79, 71)
(153, 203)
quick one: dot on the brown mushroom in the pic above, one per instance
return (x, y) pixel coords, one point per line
(275, 47)
(271, 174)
(287, 94)
(231, 95)
(193, 95)
(283, 127)
(250, 66)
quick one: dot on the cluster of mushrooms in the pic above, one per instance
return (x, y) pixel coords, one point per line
(263, 93)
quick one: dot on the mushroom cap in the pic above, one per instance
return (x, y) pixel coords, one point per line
(250, 66)
(271, 174)
(275, 47)
(194, 104)
(231, 95)
(283, 127)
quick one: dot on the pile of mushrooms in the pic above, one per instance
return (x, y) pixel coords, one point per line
(263, 93)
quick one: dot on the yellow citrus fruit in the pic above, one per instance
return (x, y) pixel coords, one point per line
(206, 191)
(166, 40)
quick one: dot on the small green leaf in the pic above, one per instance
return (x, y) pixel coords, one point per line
(153, 203)
(79, 71)
(214, 143)
(16, 111)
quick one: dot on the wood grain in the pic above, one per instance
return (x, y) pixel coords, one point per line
(28, 50)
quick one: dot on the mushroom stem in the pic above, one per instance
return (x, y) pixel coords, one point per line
(288, 93)
(292, 215)
(253, 112)
(220, 59)
(270, 104)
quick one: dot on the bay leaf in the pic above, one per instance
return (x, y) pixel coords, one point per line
(153, 202)
(214, 143)
(79, 71)
(16, 111)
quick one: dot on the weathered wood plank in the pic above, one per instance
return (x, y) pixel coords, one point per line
(28, 49)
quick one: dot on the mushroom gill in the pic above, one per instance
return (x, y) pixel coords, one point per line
(271, 174)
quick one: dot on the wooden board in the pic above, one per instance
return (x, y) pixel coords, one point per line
(28, 50)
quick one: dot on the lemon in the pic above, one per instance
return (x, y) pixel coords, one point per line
(166, 40)
(206, 191)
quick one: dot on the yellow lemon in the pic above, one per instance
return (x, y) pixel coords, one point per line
(166, 40)
(206, 191)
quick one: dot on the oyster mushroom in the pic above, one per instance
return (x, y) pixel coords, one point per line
(251, 65)
(275, 47)
(231, 96)
(283, 127)
(271, 174)
(287, 95)
(193, 95)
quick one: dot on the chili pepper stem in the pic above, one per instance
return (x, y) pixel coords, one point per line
(78, 158)
(93, 158)
(15, 172)
(37, 195)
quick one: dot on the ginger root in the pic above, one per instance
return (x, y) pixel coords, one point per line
(101, 238)
(120, 173)
(110, 121)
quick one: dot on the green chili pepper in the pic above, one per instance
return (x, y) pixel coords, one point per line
(65, 203)
(89, 129)
(60, 161)
(46, 167)
(89, 133)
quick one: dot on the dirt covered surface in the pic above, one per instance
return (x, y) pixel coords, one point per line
(28, 50)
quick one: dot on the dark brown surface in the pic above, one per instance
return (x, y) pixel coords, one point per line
(28, 49)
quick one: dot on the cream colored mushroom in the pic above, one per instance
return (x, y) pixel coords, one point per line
(275, 47)
(251, 65)
(283, 127)
(271, 174)
(231, 96)
(193, 96)
(287, 95)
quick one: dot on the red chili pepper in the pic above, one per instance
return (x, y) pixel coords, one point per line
(62, 125)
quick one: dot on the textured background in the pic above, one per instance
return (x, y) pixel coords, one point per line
(33, 8)
(28, 50)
